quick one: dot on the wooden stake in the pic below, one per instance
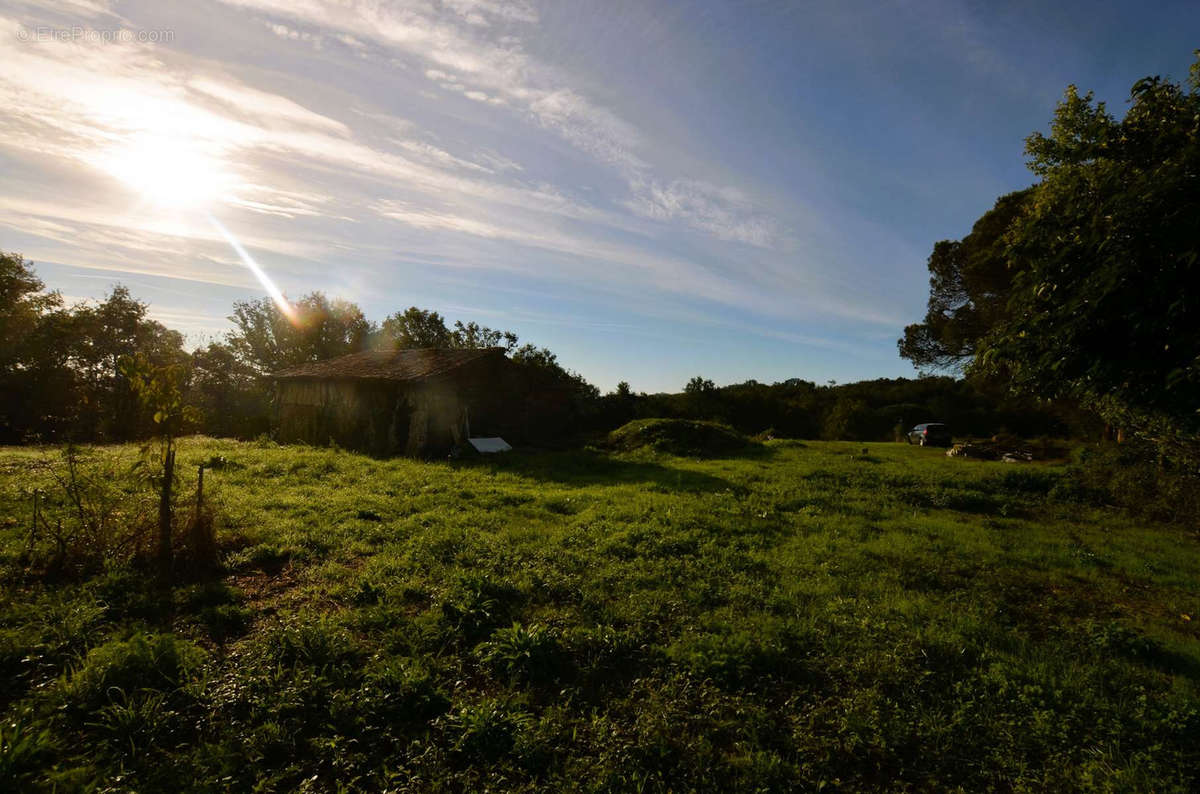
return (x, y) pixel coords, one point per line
(199, 488)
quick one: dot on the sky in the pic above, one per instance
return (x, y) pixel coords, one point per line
(653, 190)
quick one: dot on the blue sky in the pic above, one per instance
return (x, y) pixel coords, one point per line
(652, 190)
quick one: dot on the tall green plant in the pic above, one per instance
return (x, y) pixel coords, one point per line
(159, 390)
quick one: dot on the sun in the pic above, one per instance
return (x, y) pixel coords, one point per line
(168, 171)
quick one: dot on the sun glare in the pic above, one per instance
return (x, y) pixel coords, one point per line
(176, 173)
(272, 289)
(170, 172)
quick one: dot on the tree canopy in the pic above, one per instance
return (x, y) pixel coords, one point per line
(267, 339)
(1100, 309)
(969, 286)
(1076, 287)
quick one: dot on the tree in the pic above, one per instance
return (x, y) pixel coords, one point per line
(415, 328)
(266, 339)
(473, 336)
(969, 287)
(545, 363)
(230, 396)
(100, 336)
(159, 391)
(846, 420)
(59, 372)
(1101, 255)
(699, 385)
(24, 359)
(418, 328)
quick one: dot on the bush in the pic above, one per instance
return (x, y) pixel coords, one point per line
(320, 643)
(95, 513)
(1133, 476)
(156, 662)
(683, 437)
(530, 654)
(398, 691)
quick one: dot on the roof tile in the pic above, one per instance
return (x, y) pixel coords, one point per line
(397, 365)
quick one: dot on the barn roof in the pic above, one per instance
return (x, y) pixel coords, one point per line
(397, 365)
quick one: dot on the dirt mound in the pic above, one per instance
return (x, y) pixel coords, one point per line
(683, 437)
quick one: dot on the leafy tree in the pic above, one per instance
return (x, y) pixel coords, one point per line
(22, 303)
(969, 287)
(699, 385)
(266, 339)
(24, 359)
(100, 337)
(1100, 309)
(418, 328)
(474, 336)
(846, 420)
(59, 370)
(415, 328)
(230, 396)
(543, 361)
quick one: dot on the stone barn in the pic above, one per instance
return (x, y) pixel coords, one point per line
(419, 403)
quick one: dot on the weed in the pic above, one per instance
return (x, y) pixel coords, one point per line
(119, 668)
(524, 654)
(24, 750)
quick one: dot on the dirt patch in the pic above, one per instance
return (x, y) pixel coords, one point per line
(264, 591)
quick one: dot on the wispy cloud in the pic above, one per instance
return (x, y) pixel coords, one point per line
(722, 212)
(344, 171)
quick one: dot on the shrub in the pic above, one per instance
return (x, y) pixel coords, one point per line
(96, 513)
(1133, 476)
(485, 730)
(320, 643)
(683, 437)
(399, 691)
(530, 654)
(158, 662)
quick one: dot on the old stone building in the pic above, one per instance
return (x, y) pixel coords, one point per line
(420, 403)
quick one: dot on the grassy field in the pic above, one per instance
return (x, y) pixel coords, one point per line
(797, 617)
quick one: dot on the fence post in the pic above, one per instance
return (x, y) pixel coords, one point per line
(33, 526)
(199, 488)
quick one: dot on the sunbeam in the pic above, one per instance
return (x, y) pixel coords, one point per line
(280, 300)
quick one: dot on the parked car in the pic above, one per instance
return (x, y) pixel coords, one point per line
(930, 434)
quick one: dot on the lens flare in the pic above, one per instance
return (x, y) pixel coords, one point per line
(282, 302)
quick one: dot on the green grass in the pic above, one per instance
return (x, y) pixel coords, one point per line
(805, 616)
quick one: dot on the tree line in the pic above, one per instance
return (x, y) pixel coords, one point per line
(61, 366)
(62, 379)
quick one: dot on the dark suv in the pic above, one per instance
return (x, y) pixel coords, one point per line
(930, 434)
